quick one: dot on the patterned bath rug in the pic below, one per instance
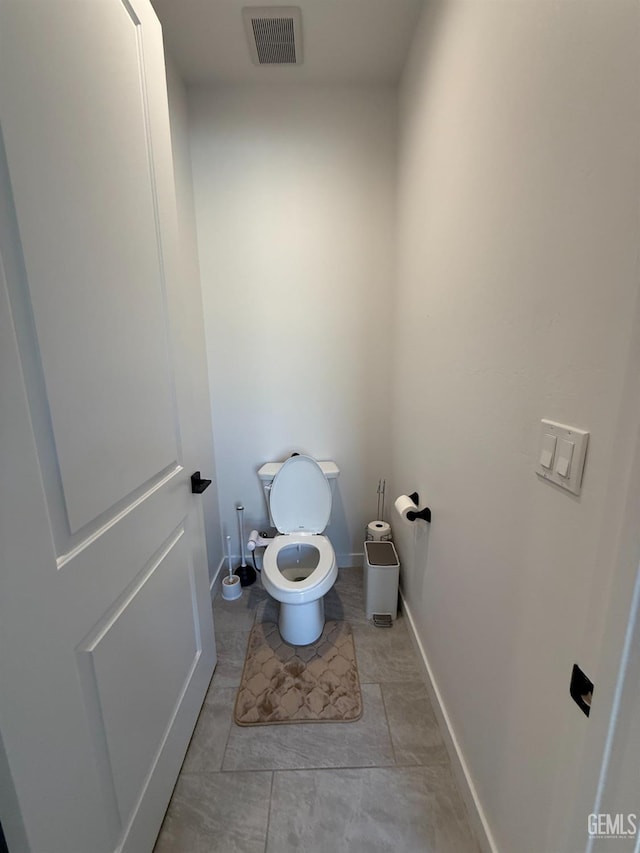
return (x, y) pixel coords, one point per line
(299, 684)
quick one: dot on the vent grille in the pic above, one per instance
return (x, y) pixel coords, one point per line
(275, 40)
(274, 34)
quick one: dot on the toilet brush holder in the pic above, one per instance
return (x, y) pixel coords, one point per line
(231, 587)
(246, 573)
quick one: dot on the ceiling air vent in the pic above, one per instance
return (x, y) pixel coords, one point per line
(274, 34)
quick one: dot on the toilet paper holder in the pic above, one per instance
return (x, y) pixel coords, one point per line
(424, 514)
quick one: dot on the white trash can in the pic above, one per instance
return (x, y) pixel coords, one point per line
(381, 576)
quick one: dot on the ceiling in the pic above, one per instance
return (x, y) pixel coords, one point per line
(344, 41)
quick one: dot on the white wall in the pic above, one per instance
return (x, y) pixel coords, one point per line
(295, 192)
(517, 280)
(191, 279)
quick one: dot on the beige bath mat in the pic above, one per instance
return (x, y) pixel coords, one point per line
(299, 684)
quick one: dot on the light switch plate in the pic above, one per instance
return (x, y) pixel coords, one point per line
(579, 438)
(548, 452)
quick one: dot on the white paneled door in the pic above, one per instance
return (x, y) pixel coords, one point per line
(106, 633)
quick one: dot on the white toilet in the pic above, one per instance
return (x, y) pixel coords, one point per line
(299, 566)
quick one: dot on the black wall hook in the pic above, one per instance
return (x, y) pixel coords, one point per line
(198, 484)
(424, 514)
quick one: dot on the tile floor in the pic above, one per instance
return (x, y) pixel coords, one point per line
(382, 783)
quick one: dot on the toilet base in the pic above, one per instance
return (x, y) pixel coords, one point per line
(301, 624)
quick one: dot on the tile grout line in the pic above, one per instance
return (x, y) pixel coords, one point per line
(386, 717)
(266, 833)
(226, 743)
(332, 769)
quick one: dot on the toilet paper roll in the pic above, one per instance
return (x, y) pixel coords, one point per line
(403, 505)
(378, 531)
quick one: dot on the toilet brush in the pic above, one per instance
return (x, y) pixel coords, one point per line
(246, 573)
(231, 587)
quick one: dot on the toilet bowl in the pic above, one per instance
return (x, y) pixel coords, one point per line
(299, 565)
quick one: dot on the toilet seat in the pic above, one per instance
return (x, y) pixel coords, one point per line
(300, 500)
(315, 585)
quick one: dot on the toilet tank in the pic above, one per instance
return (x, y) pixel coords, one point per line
(268, 471)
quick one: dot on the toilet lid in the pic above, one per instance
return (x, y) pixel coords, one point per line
(300, 497)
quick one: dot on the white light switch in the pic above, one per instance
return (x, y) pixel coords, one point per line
(565, 454)
(548, 450)
(561, 455)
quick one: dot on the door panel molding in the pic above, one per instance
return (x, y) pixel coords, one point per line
(78, 545)
(98, 291)
(151, 622)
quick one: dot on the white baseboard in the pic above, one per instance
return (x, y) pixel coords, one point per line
(459, 765)
(350, 561)
(216, 575)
